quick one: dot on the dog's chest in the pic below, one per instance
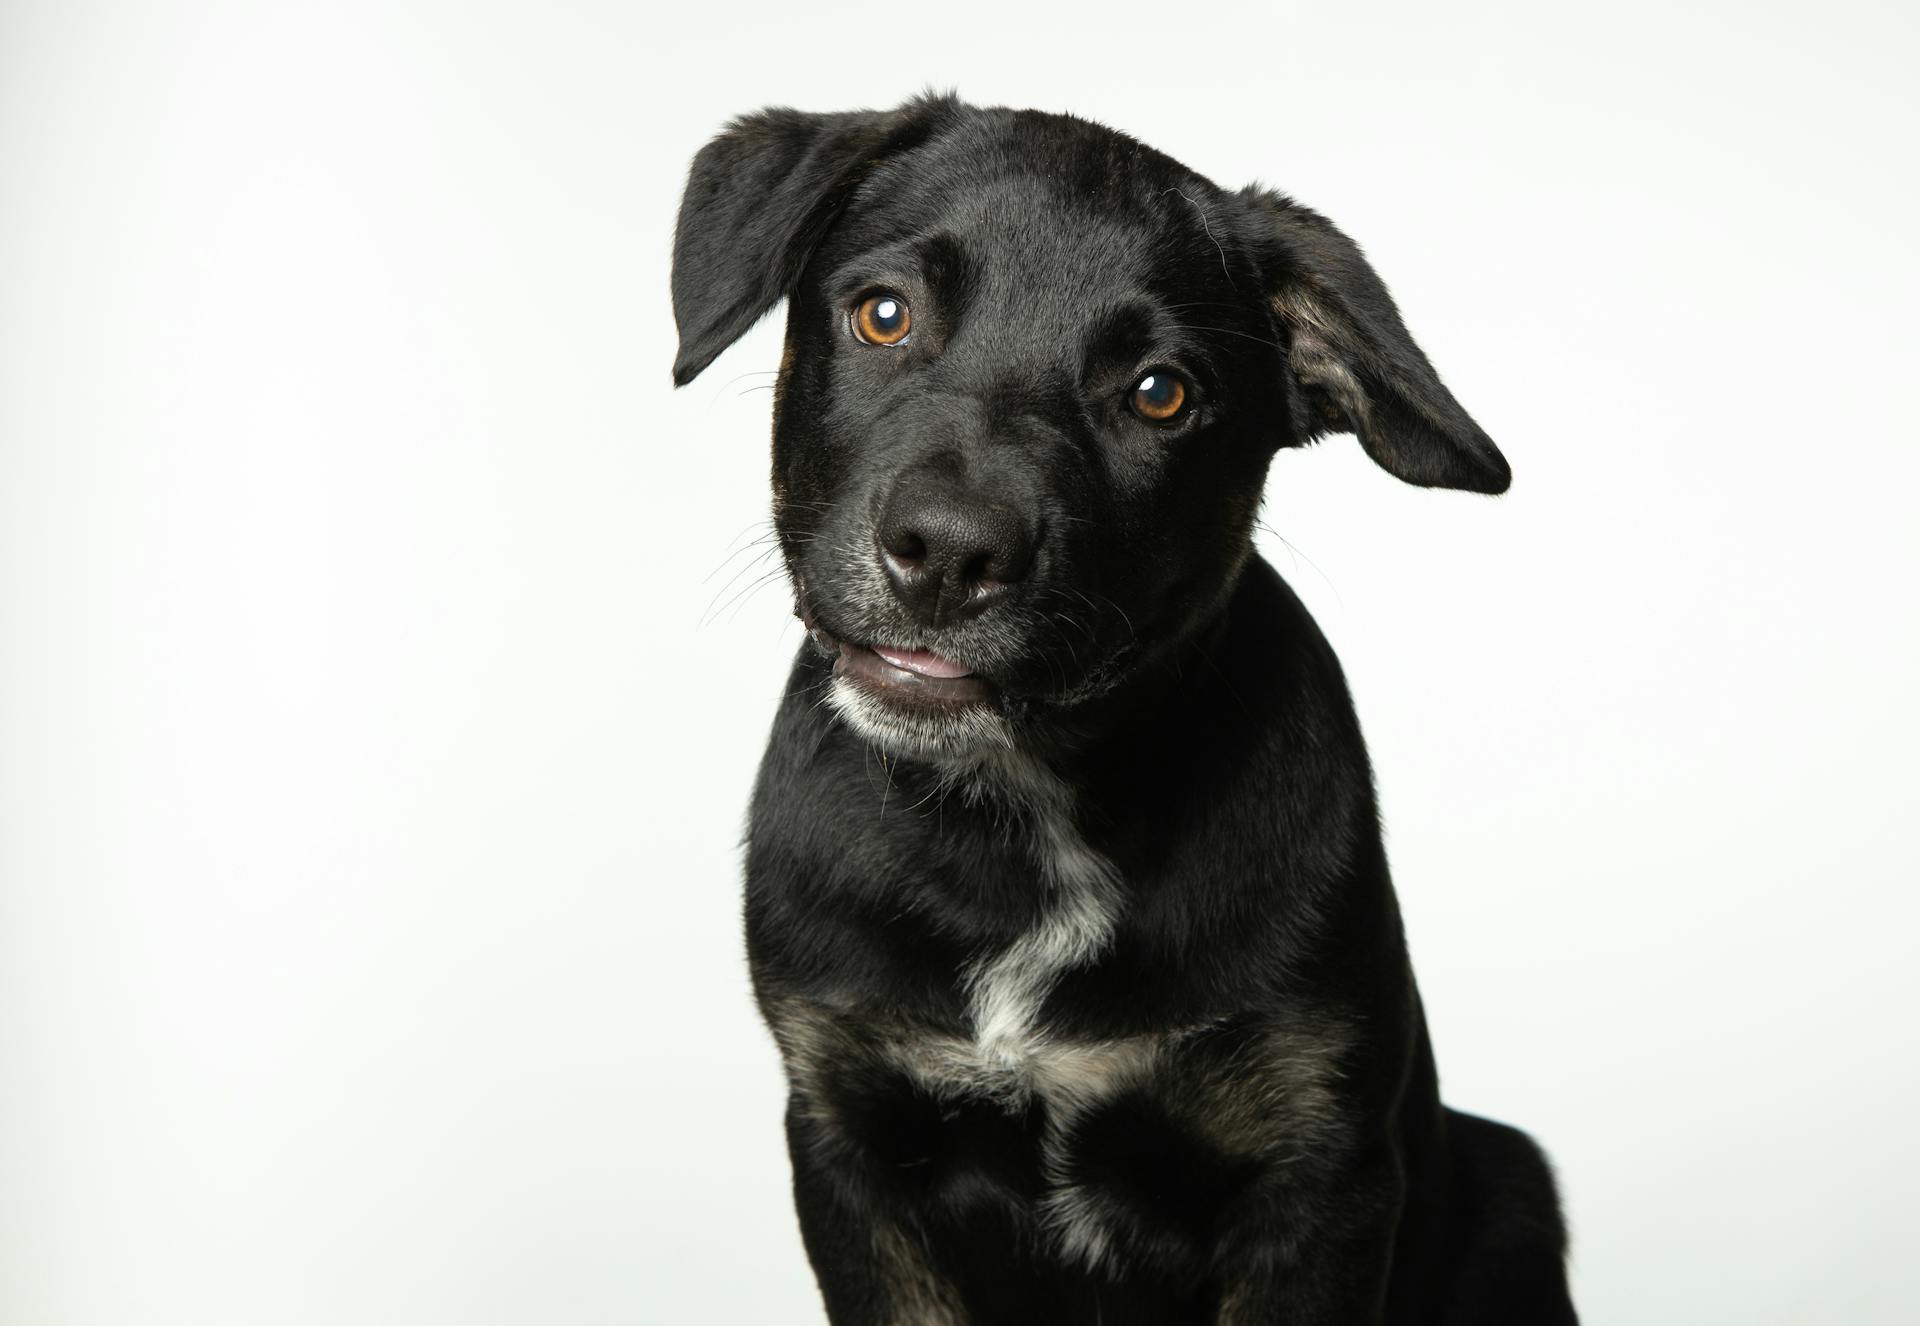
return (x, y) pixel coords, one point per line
(929, 1093)
(1000, 1103)
(1080, 910)
(1088, 1138)
(1065, 1077)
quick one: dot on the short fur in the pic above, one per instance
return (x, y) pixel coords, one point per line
(1093, 998)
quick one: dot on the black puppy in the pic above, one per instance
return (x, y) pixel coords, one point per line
(1066, 899)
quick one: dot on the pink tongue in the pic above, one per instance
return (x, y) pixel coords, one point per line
(923, 661)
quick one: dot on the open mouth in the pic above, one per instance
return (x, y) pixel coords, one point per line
(911, 676)
(917, 678)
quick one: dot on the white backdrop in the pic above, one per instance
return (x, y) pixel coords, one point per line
(378, 699)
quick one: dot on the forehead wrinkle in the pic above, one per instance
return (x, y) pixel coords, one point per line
(1043, 273)
(948, 270)
(1119, 335)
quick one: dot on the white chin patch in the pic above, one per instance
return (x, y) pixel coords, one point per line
(961, 736)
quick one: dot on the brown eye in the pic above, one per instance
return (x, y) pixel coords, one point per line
(1159, 397)
(882, 319)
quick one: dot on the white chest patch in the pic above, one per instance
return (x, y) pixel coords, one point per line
(1005, 990)
(1069, 1076)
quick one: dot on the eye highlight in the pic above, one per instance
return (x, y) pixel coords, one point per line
(1159, 397)
(882, 319)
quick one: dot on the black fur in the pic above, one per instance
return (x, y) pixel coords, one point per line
(1213, 1098)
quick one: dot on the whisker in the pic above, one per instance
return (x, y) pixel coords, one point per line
(758, 560)
(757, 583)
(741, 551)
(1298, 556)
(740, 600)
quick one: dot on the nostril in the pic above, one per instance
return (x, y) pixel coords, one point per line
(905, 545)
(1003, 564)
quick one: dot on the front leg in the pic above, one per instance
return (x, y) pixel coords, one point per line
(861, 1140)
(1322, 1258)
(1245, 1159)
(872, 1269)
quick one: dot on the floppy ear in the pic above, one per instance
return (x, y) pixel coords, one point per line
(758, 199)
(1355, 368)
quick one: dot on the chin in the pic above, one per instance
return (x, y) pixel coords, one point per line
(915, 703)
(956, 735)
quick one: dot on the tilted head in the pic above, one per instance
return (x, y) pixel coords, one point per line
(1035, 372)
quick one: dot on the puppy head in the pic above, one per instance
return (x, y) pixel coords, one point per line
(1034, 374)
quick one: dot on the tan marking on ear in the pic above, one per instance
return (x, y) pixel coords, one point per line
(1320, 351)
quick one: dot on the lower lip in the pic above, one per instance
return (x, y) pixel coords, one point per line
(868, 670)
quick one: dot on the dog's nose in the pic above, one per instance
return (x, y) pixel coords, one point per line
(949, 557)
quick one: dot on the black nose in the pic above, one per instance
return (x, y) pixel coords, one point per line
(949, 557)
